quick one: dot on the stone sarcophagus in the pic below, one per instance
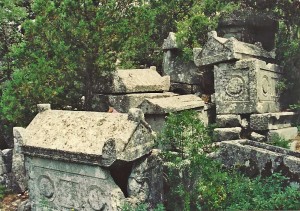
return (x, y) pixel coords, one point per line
(247, 86)
(70, 157)
(156, 110)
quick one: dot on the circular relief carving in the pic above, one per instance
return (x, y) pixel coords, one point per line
(46, 186)
(265, 85)
(235, 86)
(96, 198)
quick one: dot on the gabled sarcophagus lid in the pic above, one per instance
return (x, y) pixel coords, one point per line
(88, 137)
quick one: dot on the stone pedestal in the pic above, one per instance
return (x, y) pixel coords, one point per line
(247, 86)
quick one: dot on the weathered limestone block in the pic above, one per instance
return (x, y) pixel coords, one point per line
(185, 76)
(122, 103)
(218, 49)
(19, 177)
(2, 165)
(256, 158)
(134, 81)
(229, 120)
(157, 109)
(7, 157)
(170, 43)
(171, 104)
(180, 71)
(224, 134)
(247, 86)
(58, 185)
(258, 137)
(145, 182)
(285, 133)
(272, 121)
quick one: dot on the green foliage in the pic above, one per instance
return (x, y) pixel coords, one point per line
(202, 18)
(65, 51)
(280, 142)
(200, 183)
(2, 192)
(11, 15)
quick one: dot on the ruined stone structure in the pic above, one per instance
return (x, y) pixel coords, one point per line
(100, 161)
(89, 160)
(245, 84)
(146, 89)
(126, 89)
(256, 158)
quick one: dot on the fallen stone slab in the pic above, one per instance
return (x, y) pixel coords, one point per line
(223, 134)
(134, 81)
(272, 121)
(218, 49)
(247, 86)
(285, 133)
(171, 104)
(255, 158)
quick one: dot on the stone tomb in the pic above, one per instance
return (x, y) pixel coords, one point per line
(126, 89)
(69, 157)
(256, 158)
(157, 109)
(246, 86)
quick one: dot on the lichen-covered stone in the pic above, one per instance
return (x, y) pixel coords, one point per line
(57, 185)
(258, 137)
(247, 86)
(134, 81)
(229, 120)
(256, 158)
(171, 104)
(145, 182)
(272, 121)
(218, 49)
(170, 43)
(180, 71)
(18, 175)
(224, 134)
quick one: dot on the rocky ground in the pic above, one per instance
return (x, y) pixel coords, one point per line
(11, 202)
